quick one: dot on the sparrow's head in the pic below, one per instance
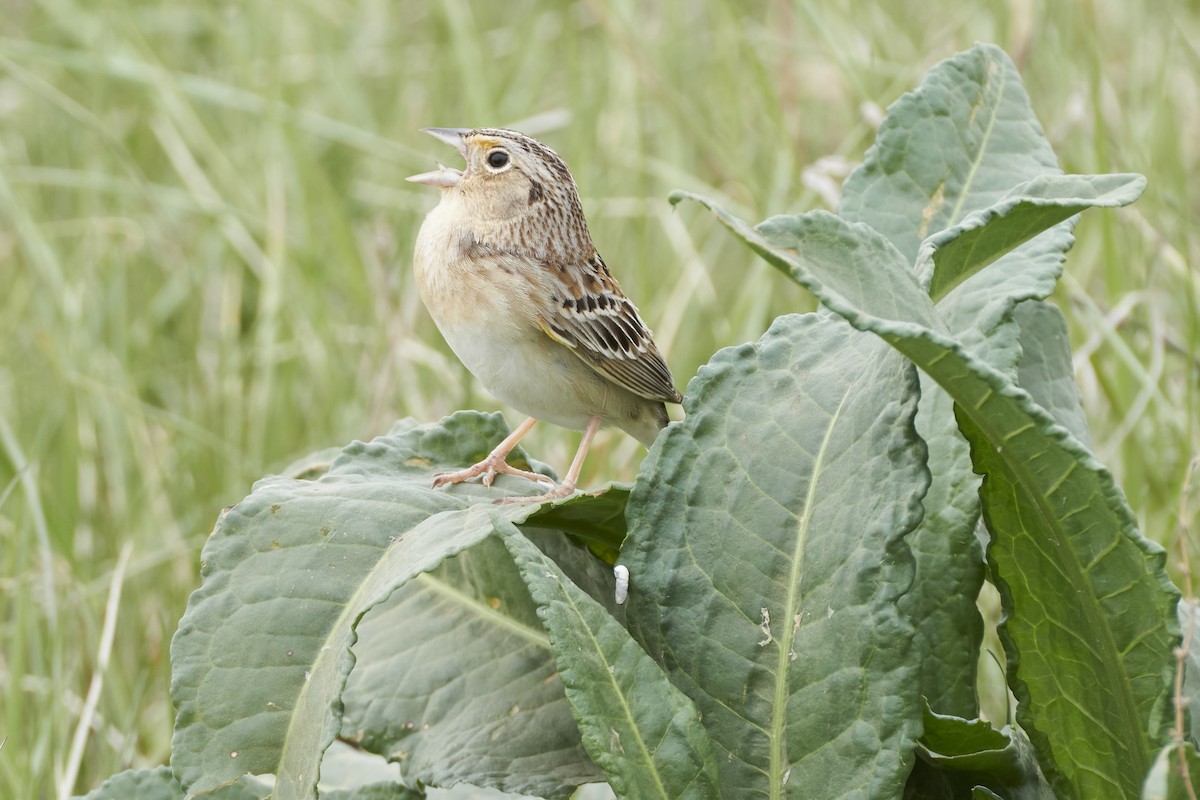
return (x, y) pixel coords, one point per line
(510, 176)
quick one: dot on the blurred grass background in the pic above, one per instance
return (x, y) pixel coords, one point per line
(205, 240)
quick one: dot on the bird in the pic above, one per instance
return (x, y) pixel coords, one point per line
(506, 266)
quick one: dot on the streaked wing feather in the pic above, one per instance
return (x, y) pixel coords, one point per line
(604, 329)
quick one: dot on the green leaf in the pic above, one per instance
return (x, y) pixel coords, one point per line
(950, 158)
(596, 518)
(1046, 371)
(944, 546)
(502, 719)
(764, 573)
(951, 741)
(374, 791)
(160, 784)
(850, 267)
(962, 162)
(292, 568)
(641, 730)
(958, 143)
(949, 562)
(973, 753)
(1087, 630)
(1090, 626)
(975, 109)
(965, 249)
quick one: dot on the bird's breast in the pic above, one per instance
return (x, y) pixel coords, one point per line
(478, 297)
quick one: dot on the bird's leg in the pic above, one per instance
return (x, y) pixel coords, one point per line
(495, 463)
(567, 487)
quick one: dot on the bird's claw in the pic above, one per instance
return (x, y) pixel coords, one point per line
(489, 468)
(489, 475)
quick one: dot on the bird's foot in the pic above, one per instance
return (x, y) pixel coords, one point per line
(489, 468)
(559, 491)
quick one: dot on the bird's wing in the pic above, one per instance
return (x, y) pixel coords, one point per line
(598, 322)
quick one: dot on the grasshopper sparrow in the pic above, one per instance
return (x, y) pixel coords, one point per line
(507, 269)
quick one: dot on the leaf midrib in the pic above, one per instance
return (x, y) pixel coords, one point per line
(990, 64)
(611, 670)
(778, 729)
(470, 605)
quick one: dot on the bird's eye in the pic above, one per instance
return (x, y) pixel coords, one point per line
(497, 159)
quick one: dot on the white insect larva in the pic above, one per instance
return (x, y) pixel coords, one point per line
(622, 574)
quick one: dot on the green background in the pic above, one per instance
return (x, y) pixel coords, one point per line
(205, 243)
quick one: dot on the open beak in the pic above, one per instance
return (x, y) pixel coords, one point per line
(444, 177)
(455, 137)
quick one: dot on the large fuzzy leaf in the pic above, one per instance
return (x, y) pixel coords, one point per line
(293, 567)
(640, 729)
(765, 555)
(956, 144)
(455, 678)
(160, 784)
(958, 151)
(960, 252)
(1090, 625)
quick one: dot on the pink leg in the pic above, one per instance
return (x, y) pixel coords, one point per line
(495, 463)
(567, 487)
